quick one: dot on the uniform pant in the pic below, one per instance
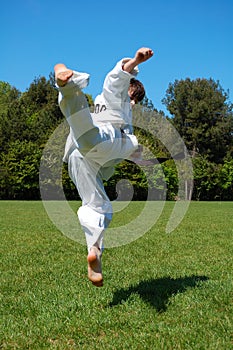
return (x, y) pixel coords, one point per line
(93, 150)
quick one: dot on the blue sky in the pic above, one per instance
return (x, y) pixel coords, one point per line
(190, 39)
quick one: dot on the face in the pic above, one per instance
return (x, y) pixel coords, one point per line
(133, 100)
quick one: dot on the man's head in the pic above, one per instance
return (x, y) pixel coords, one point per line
(136, 91)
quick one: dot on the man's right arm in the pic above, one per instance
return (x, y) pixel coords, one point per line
(141, 55)
(116, 84)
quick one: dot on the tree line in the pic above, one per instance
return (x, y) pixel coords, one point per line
(199, 109)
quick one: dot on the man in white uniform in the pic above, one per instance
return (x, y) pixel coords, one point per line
(97, 142)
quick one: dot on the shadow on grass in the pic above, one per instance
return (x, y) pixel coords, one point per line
(157, 292)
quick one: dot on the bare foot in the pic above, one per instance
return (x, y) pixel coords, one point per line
(62, 74)
(94, 267)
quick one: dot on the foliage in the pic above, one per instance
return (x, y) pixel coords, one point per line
(118, 186)
(171, 178)
(19, 171)
(226, 179)
(201, 114)
(206, 179)
(212, 181)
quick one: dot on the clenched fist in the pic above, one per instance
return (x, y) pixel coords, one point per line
(143, 54)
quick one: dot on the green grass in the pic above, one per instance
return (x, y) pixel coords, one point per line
(160, 292)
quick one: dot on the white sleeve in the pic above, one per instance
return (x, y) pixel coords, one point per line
(116, 84)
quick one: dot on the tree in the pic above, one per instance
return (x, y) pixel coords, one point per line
(132, 173)
(19, 177)
(202, 115)
(27, 121)
(8, 95)
(206, 179)
(226, 180)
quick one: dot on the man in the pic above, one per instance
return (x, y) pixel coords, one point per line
(97, 142)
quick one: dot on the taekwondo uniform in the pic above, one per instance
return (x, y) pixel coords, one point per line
(96, 143)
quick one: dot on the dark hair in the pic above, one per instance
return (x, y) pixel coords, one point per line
(139, 91)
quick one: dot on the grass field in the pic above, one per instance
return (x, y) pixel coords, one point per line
(160, 292)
